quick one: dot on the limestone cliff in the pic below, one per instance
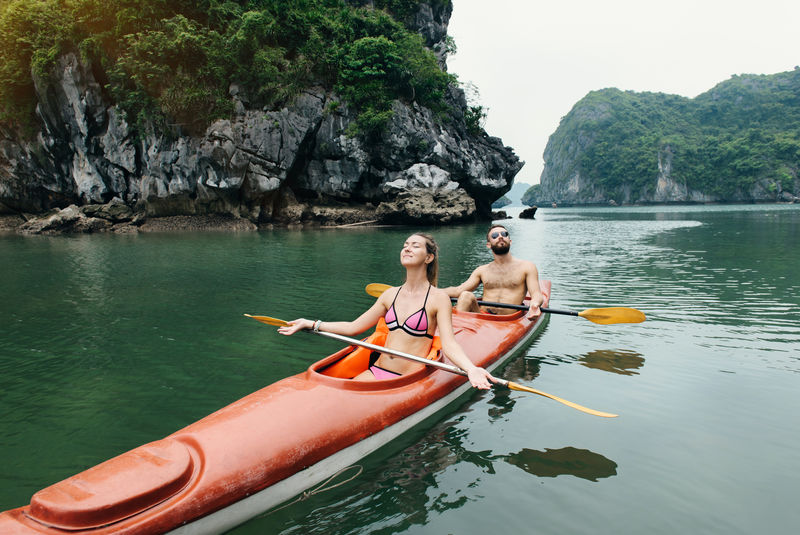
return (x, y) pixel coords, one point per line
(292, 165)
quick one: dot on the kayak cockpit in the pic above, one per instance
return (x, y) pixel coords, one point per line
(340, 368)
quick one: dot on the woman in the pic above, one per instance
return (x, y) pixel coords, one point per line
(412, 312)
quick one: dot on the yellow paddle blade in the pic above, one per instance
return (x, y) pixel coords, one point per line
(375, 289)
(517, 386)
(269, 321)
(610, 315)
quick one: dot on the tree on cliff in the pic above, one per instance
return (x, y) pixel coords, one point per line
(171, 62)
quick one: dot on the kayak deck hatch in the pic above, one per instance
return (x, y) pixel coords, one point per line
(116, 489)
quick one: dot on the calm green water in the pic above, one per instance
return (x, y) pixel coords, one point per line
(108, 342)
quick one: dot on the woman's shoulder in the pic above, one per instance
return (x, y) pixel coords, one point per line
(389, 293)
(439, 296)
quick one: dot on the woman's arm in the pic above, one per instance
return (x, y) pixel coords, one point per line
(478, 377)
(347, 328)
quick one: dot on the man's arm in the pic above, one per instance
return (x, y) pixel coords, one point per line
(468, 285)
(532, 285)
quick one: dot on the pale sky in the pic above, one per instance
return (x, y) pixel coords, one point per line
(531, 61)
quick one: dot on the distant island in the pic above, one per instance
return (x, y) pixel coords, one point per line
(513, 197)
(738, 142)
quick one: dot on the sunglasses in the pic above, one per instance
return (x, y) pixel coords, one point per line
(503, 233)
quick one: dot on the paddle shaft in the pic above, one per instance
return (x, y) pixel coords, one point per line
(603, 316)
(520, 307)
(427, 362)
(453, 369)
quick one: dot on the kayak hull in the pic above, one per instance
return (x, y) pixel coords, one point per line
(265, 448)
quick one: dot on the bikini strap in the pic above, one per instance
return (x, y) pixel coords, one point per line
(426, 297)
(395, 295)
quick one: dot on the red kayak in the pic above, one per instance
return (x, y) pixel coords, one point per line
(266, 448)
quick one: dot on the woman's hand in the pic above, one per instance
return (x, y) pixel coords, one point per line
(480, 378)
(296, 325)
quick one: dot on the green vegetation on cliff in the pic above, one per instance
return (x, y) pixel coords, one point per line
(172, 61)
(725, 143)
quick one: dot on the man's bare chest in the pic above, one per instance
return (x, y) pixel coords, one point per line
(503, 278)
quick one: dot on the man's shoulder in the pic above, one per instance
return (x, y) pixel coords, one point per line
(483, 267)
(524, 262)
(527, 265)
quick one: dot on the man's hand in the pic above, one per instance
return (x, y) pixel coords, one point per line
(534, 312)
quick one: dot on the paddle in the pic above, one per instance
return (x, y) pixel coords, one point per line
(447, 367)
(603, 316)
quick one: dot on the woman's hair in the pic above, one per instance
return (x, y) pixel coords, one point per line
(432, 268)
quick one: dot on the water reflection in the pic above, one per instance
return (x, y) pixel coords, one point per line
(520, 370)
(392, 494)
(621, 362)
(570, 461)
(399, 490)
(524, 369)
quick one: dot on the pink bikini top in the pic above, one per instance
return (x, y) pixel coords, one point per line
(415, 325)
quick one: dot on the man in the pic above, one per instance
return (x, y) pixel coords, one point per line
(505, 279)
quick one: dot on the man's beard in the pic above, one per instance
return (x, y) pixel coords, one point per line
(501, 249)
